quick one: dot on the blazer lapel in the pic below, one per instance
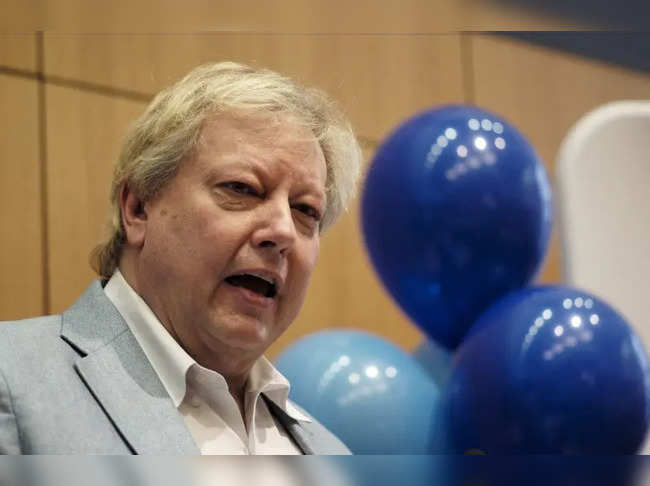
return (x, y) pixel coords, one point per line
(311, 437)
(300, 435)
(120, 377)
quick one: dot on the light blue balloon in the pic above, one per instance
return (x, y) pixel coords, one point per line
(375, 397)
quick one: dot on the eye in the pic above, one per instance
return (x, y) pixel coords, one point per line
(240, 188)
(308, 211)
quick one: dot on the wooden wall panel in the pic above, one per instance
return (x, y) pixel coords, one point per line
(18, 51)
(84, 132)
(294, 16)
(543, 92)
(21, 263)
(378, 80)
(20, 16)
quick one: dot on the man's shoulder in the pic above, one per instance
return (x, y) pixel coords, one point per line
(26, 329)
(20, 339)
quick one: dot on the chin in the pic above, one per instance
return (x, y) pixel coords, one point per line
(247, 335)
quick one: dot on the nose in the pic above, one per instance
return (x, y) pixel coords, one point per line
(276, 228)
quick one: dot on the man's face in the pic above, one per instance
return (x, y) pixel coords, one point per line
(231, 241)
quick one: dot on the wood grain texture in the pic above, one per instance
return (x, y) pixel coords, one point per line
(23, 16)
(18, 51)
(378, 80)
(543, 92)
(21, 263)
(84, 132)
(292, 16)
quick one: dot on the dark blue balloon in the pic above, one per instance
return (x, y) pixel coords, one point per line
(367, 391)
(456, 212)
(541, 470)
(548, 370)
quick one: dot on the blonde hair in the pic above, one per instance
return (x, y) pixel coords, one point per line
(170, 127)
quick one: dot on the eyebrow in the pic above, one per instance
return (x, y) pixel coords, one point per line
(306, 187)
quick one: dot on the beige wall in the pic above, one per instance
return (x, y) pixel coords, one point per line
(68, 98)
(22, 242)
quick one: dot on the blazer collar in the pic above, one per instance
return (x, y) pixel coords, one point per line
(117, 373)
(92, 321)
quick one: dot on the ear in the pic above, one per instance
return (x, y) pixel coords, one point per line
(134, 216)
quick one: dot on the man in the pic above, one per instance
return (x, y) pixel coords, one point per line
(219, 197)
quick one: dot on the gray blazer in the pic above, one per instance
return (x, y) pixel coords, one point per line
(79, 383)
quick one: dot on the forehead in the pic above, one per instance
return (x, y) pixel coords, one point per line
(258, 140)
(229, 132)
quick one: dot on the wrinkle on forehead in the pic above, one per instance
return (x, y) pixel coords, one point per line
(279, 135)
(265, 128)
(251, 141)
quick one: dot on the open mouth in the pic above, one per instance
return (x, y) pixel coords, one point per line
(254, 283)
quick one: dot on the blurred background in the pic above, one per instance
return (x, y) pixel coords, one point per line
(74, 74)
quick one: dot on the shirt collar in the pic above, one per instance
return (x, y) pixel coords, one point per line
(265, 378)
(171, 362)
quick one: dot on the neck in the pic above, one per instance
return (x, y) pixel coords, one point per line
(238, 392)
(128, 270)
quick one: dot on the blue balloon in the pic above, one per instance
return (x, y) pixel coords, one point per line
(548, 370)
(367, 391)
(389, 470)
(456, 212)
(541, 470)
(435, 359)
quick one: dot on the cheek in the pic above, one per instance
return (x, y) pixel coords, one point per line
(181, 238)
(192, 225)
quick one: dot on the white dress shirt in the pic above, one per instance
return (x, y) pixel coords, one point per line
(201, 395)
